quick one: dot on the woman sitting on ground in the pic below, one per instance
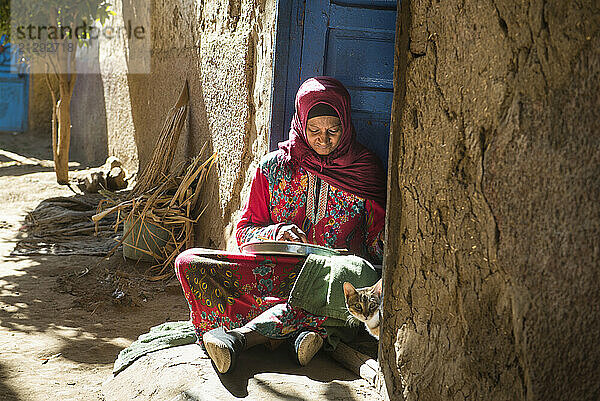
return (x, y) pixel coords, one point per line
(321, 187)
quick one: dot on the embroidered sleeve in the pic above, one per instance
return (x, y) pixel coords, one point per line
(256, 224)
(375, 223)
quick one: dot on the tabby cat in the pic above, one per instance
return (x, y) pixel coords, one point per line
(364, 304)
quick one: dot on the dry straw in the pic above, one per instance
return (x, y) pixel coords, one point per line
(163, 199)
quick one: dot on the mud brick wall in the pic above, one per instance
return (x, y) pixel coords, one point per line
(492, 279)
(224, 48)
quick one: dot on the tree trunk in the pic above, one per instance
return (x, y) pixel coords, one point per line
(54, 117)
(491, 269)
(64, 68)
(61, 152)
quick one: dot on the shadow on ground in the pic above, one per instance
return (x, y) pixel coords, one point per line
(60, 331)
(20, 170)
(260, 360)
(27, 144)
(8, 394)
(186, 373)
(86, 324)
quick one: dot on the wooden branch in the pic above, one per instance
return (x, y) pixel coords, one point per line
(73, 70)
(54, 114)
(55, 69)
(357, 362)
(52, 90)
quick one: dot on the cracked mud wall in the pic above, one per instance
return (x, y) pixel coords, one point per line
(224, 48)
(236, 50)
(491, 281)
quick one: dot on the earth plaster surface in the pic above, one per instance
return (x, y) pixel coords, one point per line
(185, 373)
(224, 49)
(491, 276)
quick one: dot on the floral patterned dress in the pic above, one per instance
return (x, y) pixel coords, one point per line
(234, 289)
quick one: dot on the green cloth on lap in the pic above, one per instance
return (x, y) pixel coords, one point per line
(166, 335)
(319, 289)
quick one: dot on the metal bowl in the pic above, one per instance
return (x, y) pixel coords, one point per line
(286, 248)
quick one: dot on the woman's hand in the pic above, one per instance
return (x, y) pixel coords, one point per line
(291, 232)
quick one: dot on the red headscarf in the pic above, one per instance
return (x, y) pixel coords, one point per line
(351, 166)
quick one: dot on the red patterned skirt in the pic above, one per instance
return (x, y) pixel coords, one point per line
(234, 289)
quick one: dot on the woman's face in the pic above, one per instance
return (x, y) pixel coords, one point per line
(324, 133)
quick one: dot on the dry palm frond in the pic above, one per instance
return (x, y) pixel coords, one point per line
(171, 206)
(163, 198)
(165, 146)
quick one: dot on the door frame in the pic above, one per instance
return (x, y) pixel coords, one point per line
(287, 60)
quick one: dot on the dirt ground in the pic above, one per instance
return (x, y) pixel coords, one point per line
(61, 327)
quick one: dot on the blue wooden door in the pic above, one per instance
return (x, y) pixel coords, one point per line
(14, 90)
(352, 41)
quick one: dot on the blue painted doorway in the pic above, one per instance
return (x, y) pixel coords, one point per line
(352, 41)
(14, 89)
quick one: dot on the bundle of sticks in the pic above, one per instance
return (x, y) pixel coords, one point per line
(163, 199)
(164, 149)
(173, 206)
